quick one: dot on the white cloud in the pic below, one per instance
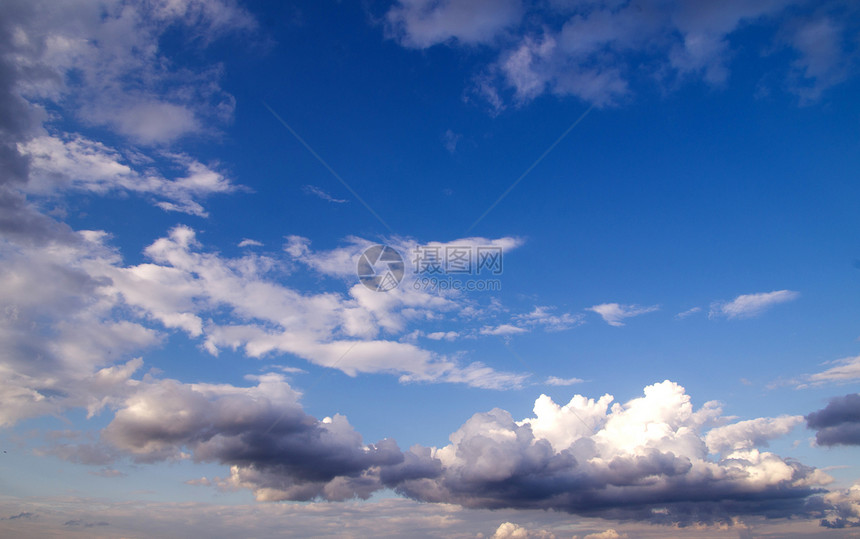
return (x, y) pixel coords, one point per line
(556, 381)
(543, 316)
(745, 435)
(586, 457)
(822, 60)
(450, 140)
(844, 370)
(121, 79)
(317, 192)
(76, 163)
(750, 305)
(689, 312)
(614, 313)
(443, 335)
(607, 534)
(250, 243)
(423, 23)
(593, 50)
(502, 329)
(509, 530)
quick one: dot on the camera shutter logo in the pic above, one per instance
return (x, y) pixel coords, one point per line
(380, 268)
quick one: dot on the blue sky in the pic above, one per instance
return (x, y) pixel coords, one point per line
(670, 346)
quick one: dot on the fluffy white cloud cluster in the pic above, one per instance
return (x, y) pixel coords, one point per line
(647, 459)
(594, 49)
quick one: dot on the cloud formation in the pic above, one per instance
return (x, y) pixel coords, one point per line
(750, 305)
(614, 313)
(594, 50)
(647, 459)
(838, 423)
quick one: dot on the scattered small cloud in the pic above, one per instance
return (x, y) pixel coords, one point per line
(317, 192)
(843, 371)
(502, 329)
(85, 523)
(109, 472)
(250, 243)
(614, 313)
(750, 305)
(200, 482)
(556, 381)
(450, 140)
(543, 316)
(25, 515)
(689, 312)
(443, 335)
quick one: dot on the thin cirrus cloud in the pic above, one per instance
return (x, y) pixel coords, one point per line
(843, 371)
(614, 314)
(751, 305)
(319, 193)
(556, 381)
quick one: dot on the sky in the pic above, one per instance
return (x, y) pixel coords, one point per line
(429, 268)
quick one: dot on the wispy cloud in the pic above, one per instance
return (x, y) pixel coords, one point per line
(689, 312)
(317, 192)
(556, 381)
(544, 316)
(450, 140)
(751, 305)
(502, 329)
(615, 313)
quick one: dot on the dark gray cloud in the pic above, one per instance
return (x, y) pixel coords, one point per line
(271, 444)
(611, 471)
(838, 423)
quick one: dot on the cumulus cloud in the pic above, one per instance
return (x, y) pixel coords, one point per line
(745, 435)
(509, 530)
(838, 423)
(614, 313)
(100, 64)
(121, 78)
(845, 508)
(750, 305)
(595, 50)
(645, 460)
